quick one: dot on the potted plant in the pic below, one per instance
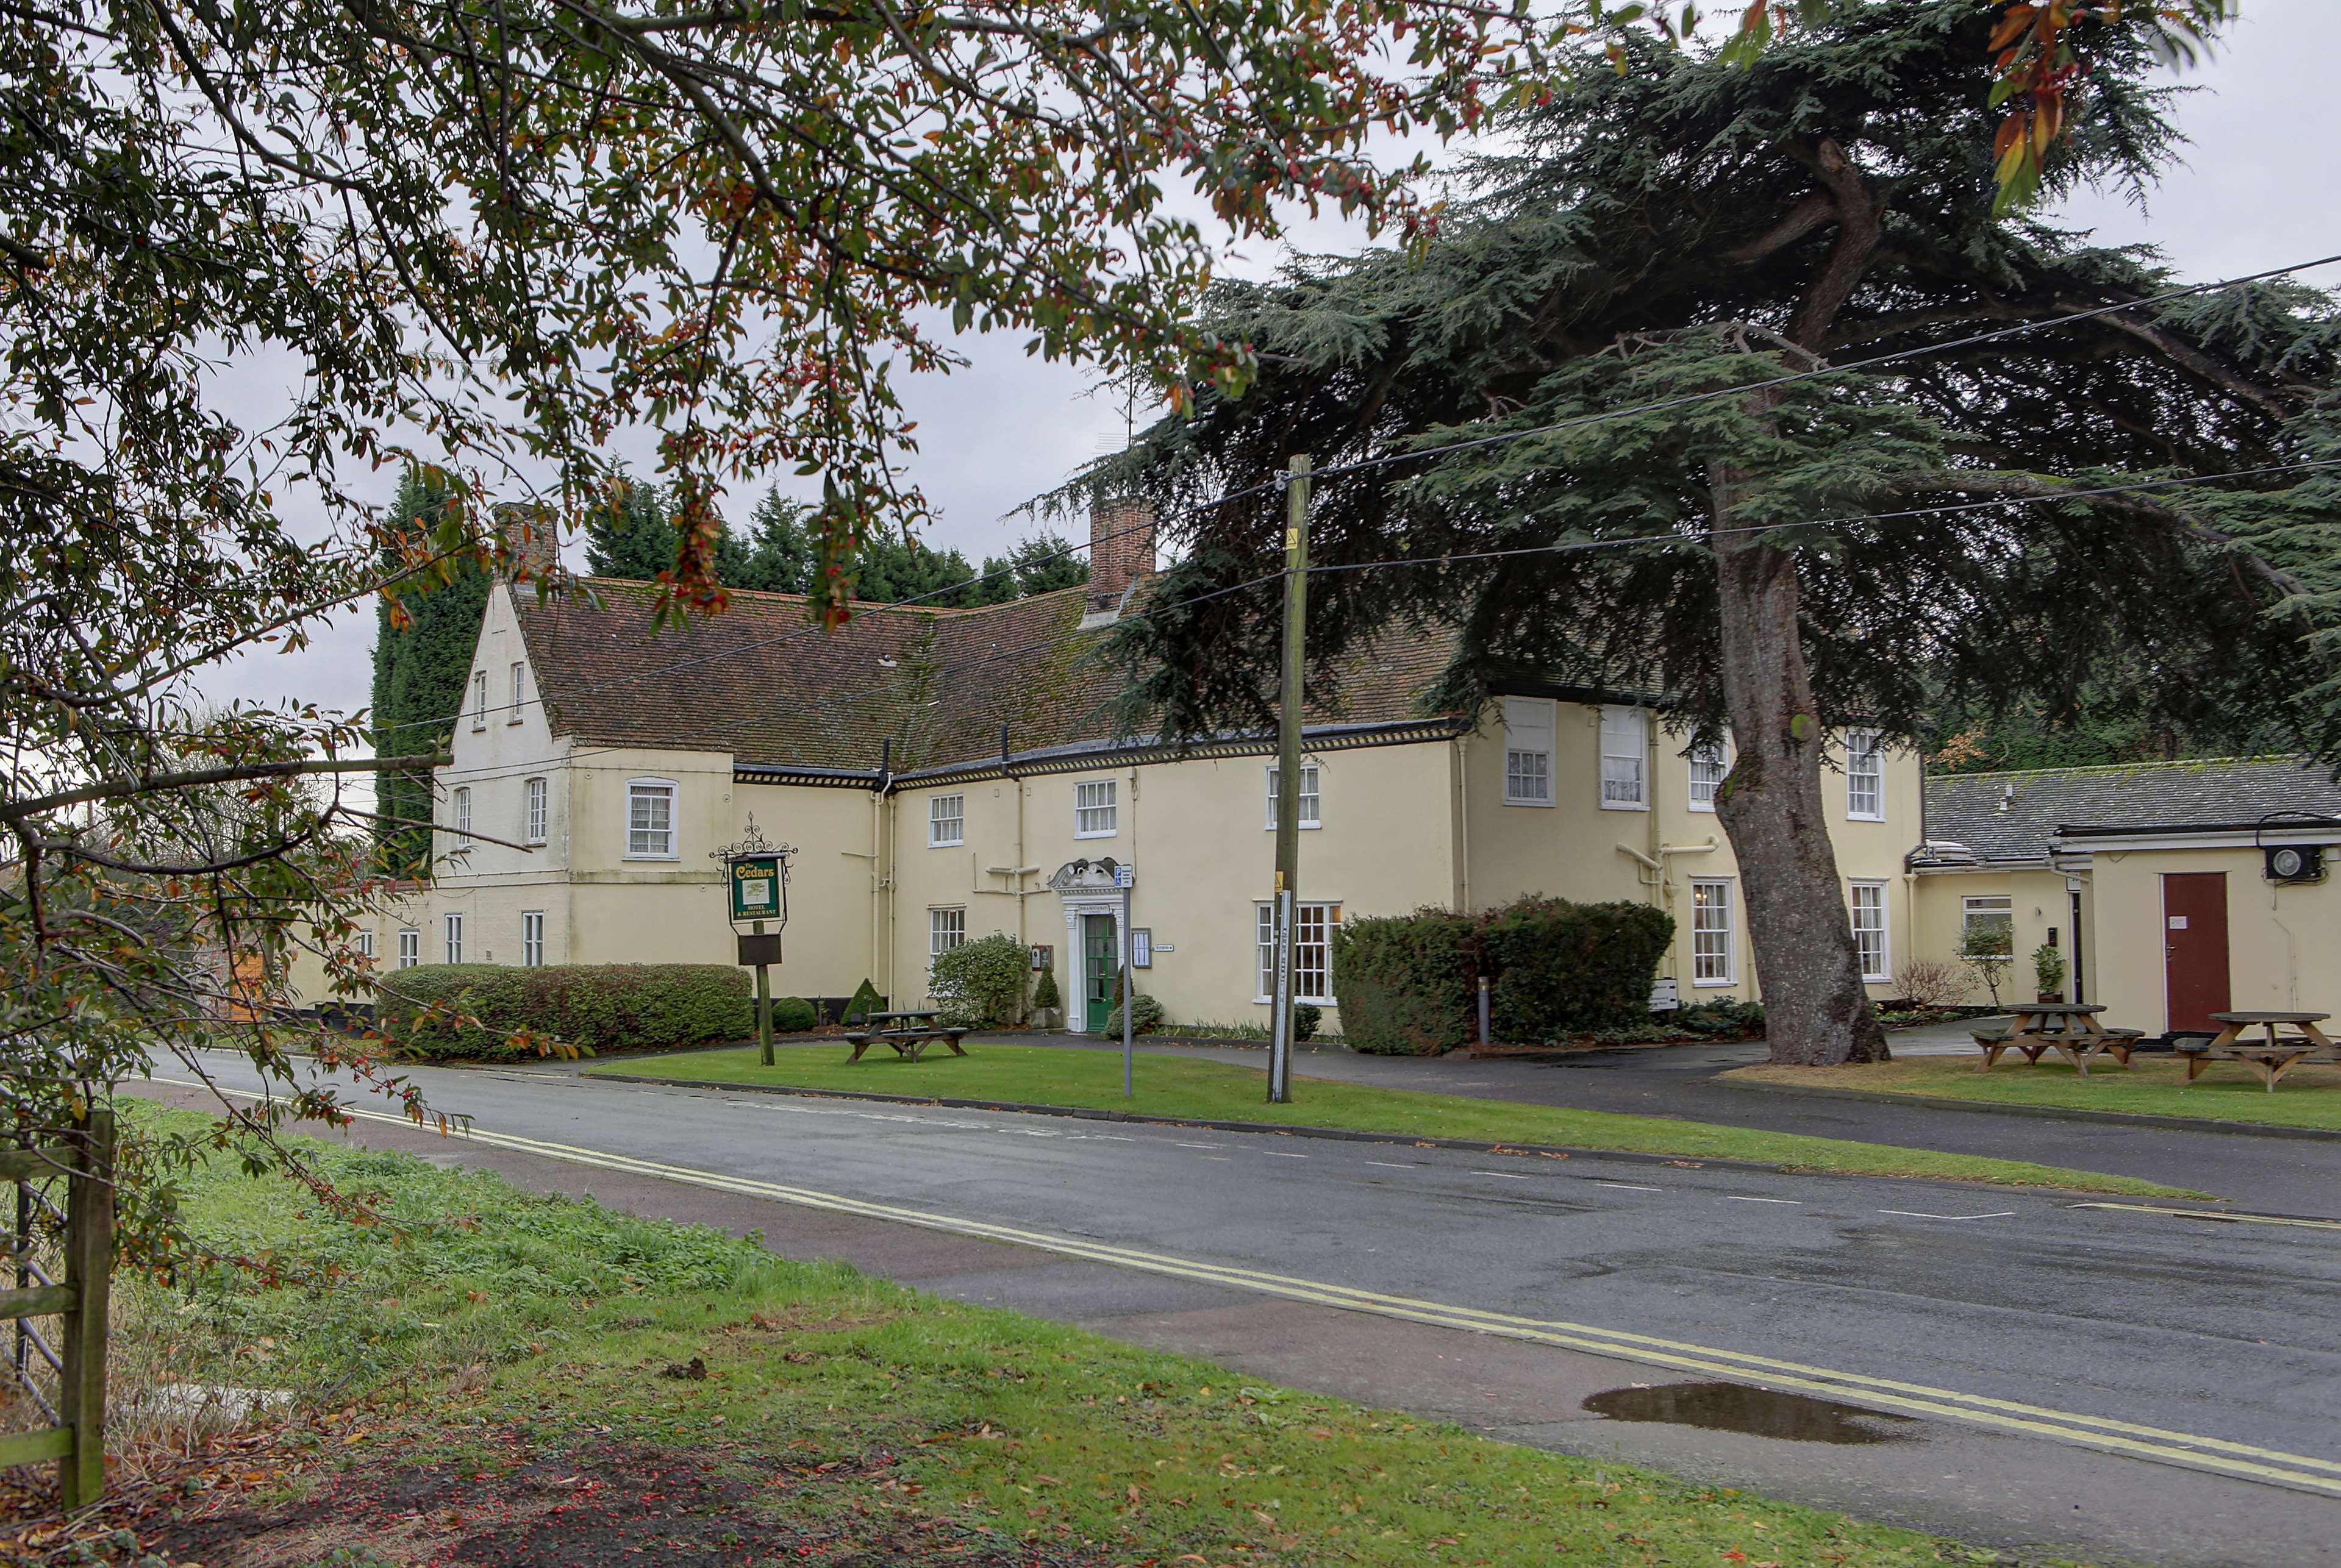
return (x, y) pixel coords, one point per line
(2048, 972)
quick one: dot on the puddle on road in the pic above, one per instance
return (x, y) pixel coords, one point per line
(1733, 1407)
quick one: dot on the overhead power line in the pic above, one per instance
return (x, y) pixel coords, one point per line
(1692, 537)
(1420, 454)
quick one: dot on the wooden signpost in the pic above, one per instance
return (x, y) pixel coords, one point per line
(756, 878)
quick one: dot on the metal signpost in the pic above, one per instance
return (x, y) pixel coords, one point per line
(1125, 876)
(756, 877)
(1287, 774)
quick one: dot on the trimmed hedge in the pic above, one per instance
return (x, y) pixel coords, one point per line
(595, 1006)
(1407, 984)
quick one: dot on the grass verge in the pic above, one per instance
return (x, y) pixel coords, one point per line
(530, 1379)
(1182, 1087)
(2309, 1096)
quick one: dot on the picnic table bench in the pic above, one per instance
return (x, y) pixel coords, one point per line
(909, 1033)
(2069, 1028)
(2271, 1057)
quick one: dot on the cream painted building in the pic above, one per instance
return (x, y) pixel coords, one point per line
(945, 774)
(2167, 886)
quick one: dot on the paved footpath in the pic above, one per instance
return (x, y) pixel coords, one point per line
(2050, 1373)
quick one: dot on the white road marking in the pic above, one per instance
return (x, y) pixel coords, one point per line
(1735, 1197)
(1507, 1175)
(1198, 1146)
(1628, 1186)
(2302, 1222)
(1914, 1214)
(1221, 1158)
(1281, 1155)
(1393, 1165)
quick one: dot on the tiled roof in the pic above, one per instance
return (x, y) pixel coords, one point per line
(763, 683)
(2013, 815)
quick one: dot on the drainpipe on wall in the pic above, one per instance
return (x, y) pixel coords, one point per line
(1462, 824)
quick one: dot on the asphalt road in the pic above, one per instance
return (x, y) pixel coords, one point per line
(2100, 1379)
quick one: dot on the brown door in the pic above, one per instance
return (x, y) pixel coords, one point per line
(2194, 947)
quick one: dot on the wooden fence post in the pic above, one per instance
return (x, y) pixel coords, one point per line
(89, 1266)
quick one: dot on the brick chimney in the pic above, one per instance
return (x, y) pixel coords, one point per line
(531, 537)
(1122, 547)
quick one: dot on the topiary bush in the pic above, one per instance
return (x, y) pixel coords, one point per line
(1560, 967)
(791, 1014)
(865, 1001)
(594, 1006)
(1407, 984)
(1044, 992)
(1306, 1018)
(1145, 1016)
(981, 982)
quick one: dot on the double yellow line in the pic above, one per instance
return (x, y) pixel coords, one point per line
(2241, 1460)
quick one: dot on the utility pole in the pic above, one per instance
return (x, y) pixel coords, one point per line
(1288, 775)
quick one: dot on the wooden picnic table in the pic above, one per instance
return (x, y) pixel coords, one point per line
(909, 1033)
(2272, 1057)
(2069, 1028)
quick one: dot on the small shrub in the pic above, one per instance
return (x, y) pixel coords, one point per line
(795, 1016)
(1990, 955)
(866, 1001)
(1306, 1016)
(982, 981)
(1929, 984)
(1724, 1016)
(594, 1006)
(1045, 997)
(1145, 1016)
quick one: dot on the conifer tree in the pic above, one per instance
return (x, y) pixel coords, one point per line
(1622, 298)
(419, 668)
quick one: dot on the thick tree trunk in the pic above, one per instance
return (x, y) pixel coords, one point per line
(1817, 1011)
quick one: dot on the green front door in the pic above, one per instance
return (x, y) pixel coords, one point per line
(1097, 970)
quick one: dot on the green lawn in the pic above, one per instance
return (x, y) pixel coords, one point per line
(1221, 1091)
(2309, 1096)
(509, 1377)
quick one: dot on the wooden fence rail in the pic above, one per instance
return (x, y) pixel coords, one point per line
(77, 1440)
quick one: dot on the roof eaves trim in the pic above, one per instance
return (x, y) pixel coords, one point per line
(1085, 756)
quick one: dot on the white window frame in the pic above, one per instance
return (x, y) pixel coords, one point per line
(479, 699)
(1626, 742)
(451, 931)
(1704, 970)
(1312, 794)
(1326, 914)
(1883, 930)
(463, 804)
(410, 947)
(946, 820)
(1864, 762)
(1974, 903)
(649, 787)
(1714, 754)
(1530, 731)
(946, 929)
(365, 946)
(1097, 815)
(536, 809)
(532, 939)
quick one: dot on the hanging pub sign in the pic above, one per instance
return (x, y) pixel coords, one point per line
(757, 888)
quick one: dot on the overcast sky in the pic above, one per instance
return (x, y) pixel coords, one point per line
(2257, 193)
